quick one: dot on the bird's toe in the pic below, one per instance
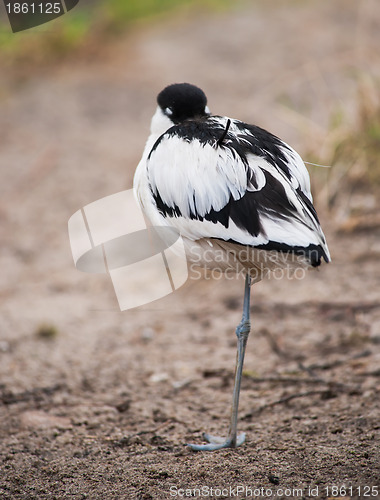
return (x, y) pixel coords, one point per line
(218, 442)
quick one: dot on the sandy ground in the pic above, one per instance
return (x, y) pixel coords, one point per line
(98, 403)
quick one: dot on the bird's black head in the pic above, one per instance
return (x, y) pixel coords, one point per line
(183, 101)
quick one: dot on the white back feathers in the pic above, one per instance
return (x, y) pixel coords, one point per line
(215, 177)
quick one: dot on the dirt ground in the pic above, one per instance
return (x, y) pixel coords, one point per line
(96, 403)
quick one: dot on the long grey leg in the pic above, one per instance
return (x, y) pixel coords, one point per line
(242, 333)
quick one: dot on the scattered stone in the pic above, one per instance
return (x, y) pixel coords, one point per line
(273, 479)
(42, 420)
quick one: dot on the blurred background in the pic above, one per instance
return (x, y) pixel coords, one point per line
(76, 98)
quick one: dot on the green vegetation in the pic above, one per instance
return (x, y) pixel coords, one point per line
(351, 186)
(46, 331)
(119, 14)
(84, 29)
(361, 148)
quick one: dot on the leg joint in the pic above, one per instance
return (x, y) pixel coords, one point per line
(243, 328)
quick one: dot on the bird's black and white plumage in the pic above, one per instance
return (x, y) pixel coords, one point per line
(227, 186)
(225, 183)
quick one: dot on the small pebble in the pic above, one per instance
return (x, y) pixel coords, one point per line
(274, 479)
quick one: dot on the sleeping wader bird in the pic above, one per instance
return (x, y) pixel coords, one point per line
(233, 191)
